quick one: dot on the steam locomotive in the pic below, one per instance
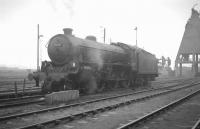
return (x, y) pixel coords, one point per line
(89, 66)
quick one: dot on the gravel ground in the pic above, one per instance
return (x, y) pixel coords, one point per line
(6, 85)
(33, 107)
(169, 82)
(65, 112)
(183, 116)
(115, 118)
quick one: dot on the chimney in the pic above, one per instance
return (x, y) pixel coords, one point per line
(67, 31)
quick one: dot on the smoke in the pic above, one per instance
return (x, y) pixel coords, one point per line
(95, 56)
(88, 81)
(69, 4)
(63, 6)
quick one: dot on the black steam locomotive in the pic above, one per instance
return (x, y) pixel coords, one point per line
(90, 66)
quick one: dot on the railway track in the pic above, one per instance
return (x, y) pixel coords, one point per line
(85, 113)
(159, 112)
(123, 115)
(156, 113)
(171, 80)
(197, 125)
(20, 93)
(25, 100)
(20, 101)
(30, 91)
(36, 90)
(19, 90)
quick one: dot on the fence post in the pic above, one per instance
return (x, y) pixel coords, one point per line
(24, 85)
(15, 88)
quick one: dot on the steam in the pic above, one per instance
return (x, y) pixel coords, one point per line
(194, 5)
(88, 81)
(69, 4)
(95, 56)
(62, 6)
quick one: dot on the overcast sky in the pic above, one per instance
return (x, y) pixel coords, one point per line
(160, 23)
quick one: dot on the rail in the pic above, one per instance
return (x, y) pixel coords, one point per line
(83, 114)
(197, 125)
(137, 122)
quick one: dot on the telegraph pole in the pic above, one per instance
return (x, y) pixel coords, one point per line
(136, 34)
(104, 35)
(38, 38)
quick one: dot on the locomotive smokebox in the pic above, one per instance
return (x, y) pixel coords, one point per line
(60, 49)
(68, 31)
